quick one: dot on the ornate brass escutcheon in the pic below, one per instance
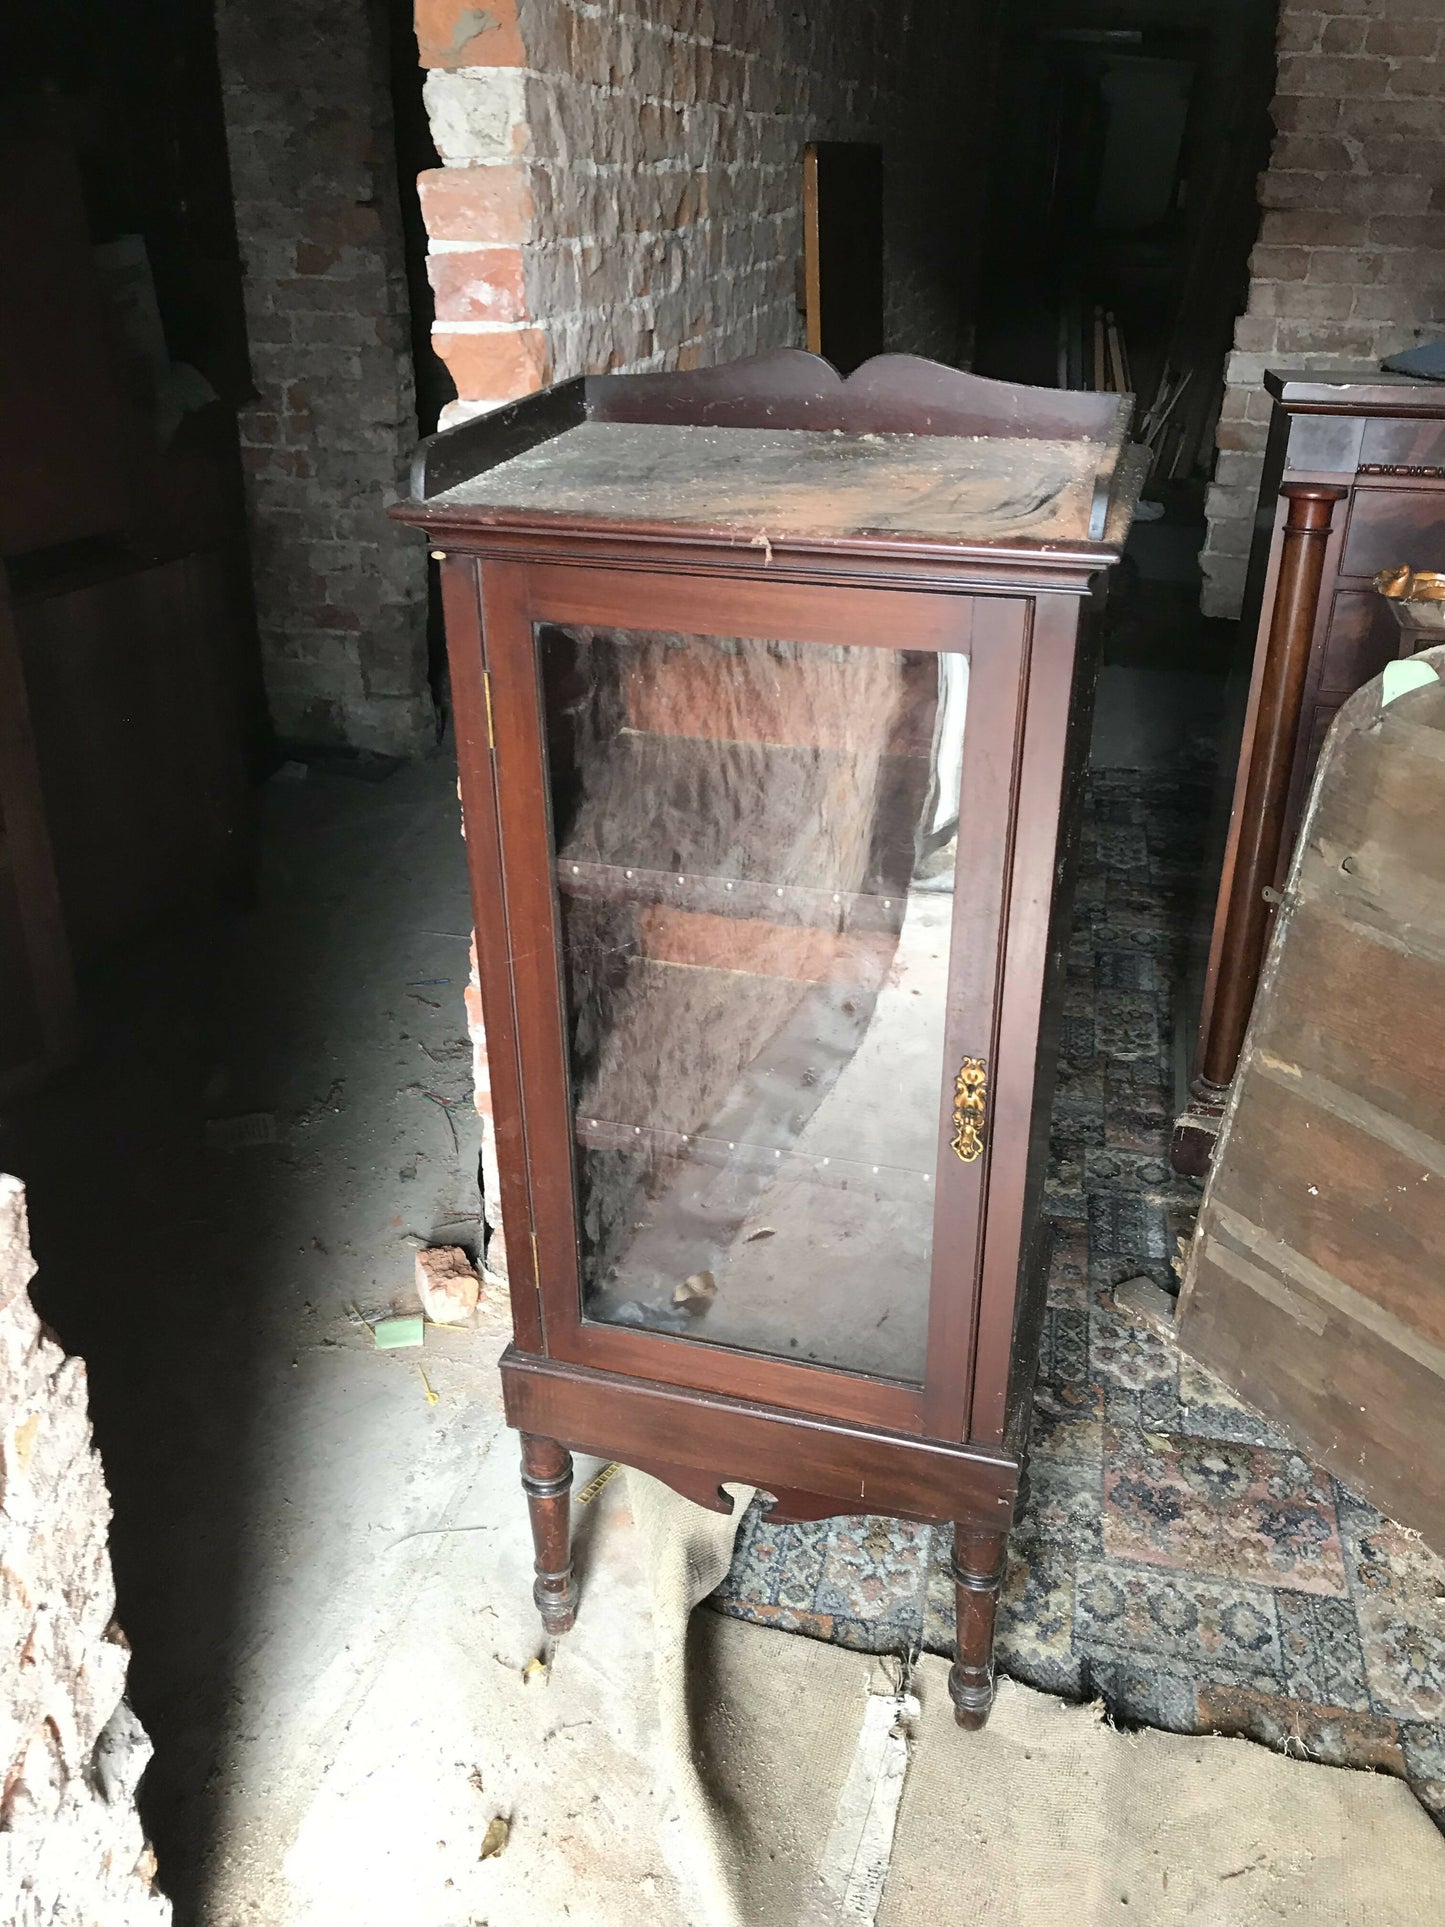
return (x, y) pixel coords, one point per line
(970, 1107)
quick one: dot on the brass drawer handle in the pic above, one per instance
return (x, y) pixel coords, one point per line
(970, 1108)
(1405, 584)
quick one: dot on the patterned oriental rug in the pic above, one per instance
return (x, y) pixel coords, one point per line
(1177, 1558)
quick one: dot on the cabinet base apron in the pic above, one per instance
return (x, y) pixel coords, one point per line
(806, 1464)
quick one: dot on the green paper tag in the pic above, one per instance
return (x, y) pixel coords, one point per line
(397, 1334)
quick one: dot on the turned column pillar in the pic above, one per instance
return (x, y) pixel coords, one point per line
(1260, 838)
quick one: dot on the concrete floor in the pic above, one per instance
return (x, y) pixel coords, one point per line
(267, 1463)
(325, 1577)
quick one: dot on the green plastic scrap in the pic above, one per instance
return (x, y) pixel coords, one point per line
(397, 1334)
(1401, 677)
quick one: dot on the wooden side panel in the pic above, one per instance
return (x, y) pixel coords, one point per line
(1378, 826)
(1023, 1085)
(1314, 1284)
(471, 698)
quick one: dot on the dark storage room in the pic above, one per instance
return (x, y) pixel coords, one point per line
(722, 941)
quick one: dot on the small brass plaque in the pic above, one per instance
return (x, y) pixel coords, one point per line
(970, 1108)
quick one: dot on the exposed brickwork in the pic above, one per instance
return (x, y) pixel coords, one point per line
(647, 158)
(1350, 262)
(641, 164)
(71, 1751)
(340, 592)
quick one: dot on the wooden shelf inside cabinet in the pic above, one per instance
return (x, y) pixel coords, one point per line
(737, 897)
(772, 696)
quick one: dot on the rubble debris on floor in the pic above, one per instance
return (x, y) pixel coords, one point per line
(446, 1283)
(72, 1847)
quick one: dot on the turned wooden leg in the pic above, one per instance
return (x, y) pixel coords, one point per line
(547, 1482)
(978, 1562)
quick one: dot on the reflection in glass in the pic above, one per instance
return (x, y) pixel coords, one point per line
(754, 852)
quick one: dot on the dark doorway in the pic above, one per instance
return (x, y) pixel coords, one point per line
(1123, 204)
(843, 251)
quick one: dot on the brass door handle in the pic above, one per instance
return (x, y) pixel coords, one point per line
(970, 1107)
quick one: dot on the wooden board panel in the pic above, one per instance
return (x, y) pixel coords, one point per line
(1317, 1176)
(1351, 968)
(1311, 1369)
(1314, 1284)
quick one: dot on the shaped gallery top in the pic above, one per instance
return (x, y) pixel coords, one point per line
(779, 451)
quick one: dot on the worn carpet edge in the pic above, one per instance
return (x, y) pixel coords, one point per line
(1049, 1813)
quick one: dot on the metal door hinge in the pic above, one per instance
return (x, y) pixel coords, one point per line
(970, 1107)
(487, 692)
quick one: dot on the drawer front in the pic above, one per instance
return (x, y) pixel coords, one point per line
(1391, 526)
(1362, 637)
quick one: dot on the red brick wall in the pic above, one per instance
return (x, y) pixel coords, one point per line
(340, 590)
(1350, 262)
(622, 189)
(71, 1750)
(622, 186)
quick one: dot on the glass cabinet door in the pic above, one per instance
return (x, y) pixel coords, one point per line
(754, 846)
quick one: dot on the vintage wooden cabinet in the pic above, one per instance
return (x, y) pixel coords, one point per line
(771, 695)
(1353, 483)
(1312, 1284)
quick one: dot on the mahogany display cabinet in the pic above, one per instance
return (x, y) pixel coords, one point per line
(772, 697)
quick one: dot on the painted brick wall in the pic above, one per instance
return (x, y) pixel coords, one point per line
(71, 1751)
(340, 592)
(622, 189)
(1350, 262)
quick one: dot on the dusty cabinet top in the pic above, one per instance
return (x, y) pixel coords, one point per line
(781, 450)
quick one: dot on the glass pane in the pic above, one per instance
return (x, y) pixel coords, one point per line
(755, 846)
